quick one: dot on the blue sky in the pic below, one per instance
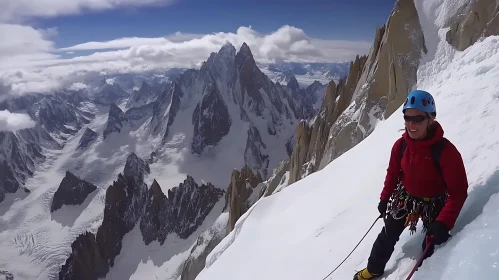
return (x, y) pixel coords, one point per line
(324, 19)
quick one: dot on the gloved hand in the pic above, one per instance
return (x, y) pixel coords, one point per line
(439, 231)
(382, 206)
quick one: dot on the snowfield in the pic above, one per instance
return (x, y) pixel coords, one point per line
(307, 229)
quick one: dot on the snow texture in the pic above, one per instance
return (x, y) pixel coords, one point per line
(308, 228)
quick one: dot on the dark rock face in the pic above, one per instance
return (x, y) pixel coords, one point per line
(86, 261)
(165, 109)
(71, 191)
(88, 137)
(195, 201)
(182, 212)
(115, 121)
(211, 121)
(255, 156)
(92, 256)
(145, 95)
(153, 223)
(128, 199)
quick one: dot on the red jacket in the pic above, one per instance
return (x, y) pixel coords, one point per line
(422, 179)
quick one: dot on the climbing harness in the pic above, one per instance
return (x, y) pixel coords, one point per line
(403, 205)
(380, 216)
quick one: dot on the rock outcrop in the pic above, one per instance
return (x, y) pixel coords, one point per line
(145, 95)
(89, 136)
(128, 200)
(205, 243)
(387, 77)
(312, 137)
(85, 261)
(211, 121)
(277, 179)
(182, 212)
(71, 191)
(242, 193)
(93, 255)
(115, 121)
(477, 18)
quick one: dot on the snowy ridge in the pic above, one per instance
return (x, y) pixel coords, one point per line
(464, 85)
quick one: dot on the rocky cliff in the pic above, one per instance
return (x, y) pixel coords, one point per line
(143, 96)
(477, 18)
(243, 191)
(116, 120)
(88, 137)
(129, 200)
(71, 191)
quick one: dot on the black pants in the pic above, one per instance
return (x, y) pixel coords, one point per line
(384, 245)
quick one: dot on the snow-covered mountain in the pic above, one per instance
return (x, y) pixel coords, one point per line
(305, 230)
(60, 199)
(225, 115)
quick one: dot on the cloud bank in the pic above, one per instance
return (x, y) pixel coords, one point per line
(14, 121)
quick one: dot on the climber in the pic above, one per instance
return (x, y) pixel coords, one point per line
(425, 179)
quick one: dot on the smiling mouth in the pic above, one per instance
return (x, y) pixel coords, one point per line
(413, 130)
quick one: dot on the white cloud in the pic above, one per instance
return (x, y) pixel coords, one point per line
(33, 65)
(14, 121)
(18, 10)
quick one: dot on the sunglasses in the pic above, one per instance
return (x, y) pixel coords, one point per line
(416, 119)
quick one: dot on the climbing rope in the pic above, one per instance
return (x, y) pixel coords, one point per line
(380, 216)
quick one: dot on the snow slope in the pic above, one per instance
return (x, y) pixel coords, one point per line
(307, 229)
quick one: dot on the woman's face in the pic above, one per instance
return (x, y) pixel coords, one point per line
(416, 123)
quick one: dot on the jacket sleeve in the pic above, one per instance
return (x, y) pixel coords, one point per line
(455, 177)
(393, 171)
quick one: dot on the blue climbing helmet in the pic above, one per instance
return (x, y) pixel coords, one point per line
(421, 100)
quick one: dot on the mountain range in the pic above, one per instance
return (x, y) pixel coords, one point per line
(179, 135)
